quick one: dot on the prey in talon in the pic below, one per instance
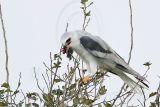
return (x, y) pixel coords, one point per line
(66, 49)
(85, 80)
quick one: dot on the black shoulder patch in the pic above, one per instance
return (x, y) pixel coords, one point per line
(92, 45)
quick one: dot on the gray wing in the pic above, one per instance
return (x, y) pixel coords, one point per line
(99, 48)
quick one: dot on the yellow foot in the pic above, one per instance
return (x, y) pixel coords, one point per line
(85, 80)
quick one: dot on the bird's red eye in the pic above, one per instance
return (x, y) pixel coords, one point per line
(68, 40)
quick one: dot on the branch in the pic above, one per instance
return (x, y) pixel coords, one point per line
(6, 45)
(131, 24)
(118, 96)
(35, 75)
(158, 96)
(6, 48)
(86, 14)
(67, 27)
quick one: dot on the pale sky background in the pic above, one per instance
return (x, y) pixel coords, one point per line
(34, 27)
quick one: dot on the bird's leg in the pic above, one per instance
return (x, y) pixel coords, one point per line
(85, 79)
(91, 68)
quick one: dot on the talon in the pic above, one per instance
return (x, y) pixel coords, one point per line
(85, 80)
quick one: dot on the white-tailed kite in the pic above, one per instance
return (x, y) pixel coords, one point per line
(96, 53)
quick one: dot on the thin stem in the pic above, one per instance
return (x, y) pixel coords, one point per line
(67, 27)
(35, 75)
(131, 24)
(119, 94)
(6, 49)
(6, 45)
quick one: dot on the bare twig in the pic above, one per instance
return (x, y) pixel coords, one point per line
(6, 45)
(84, 20)
(47, 84)
(131, 23)
(144, 96)
(19, 83)
(51, 76)
(87, 23)
(140, 102)
(118, 96)
(67, 27)
(130, 99)
(35, 75)
(52, 72)
(24, 97)
(6, 49)
(158, 96)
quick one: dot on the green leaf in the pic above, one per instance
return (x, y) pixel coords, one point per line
(28, 105)
(147, 64)
(71, 87)
(46, 97)
(82, 7)
(20, 104)
(8, 90)
(107, 104)
(152, 94)
(2, 91)
(87, 101)
(99, 105)
(15, 92)
(88, 13)
(75, 101)
(99, 75)
(35, 104)
(5, 85)
(84, 1)
(3, 104)
(153, 104)
(71, 92)
(57, 65)
(102, 90)
(32, 96)
(56, 56)
(57, 80)
(57, 92)
(34, 93)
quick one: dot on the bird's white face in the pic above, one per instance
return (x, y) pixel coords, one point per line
(66, 43)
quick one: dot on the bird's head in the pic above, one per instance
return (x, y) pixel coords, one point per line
(66, 40)
(67, 43)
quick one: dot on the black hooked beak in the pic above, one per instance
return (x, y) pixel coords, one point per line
(66, 47)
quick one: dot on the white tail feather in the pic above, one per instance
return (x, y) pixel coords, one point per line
(132, 82)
